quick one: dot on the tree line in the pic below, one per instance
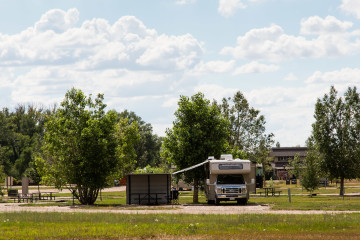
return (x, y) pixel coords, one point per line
(40, 142)
(203, 129)
(81, 146)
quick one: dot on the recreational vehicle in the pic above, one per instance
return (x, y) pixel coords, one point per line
(228, 179)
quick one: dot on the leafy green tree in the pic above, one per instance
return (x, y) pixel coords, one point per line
(247, 127)
(336, 134)
(21, 134)
(84, 146)
(237, 153)
(198, 131)
(295, 166)
(148, 147)
(263, 158)
(149, 169)
(310, 172)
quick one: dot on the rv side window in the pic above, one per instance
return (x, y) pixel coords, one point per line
(230, 179)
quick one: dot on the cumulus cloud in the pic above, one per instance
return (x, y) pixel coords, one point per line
(256, 67)
(47, 84)
(329, 25)
(57, 20)
(42, 84)
(343, 76)
(351, 6)
(227, 8)
(96, 44)
(273, 44)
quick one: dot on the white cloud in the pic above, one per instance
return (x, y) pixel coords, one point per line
(96, 44)
(256, 67)
(329, 25)
(43, 84)
(213, 91)
(57, 20)
(171, 102)
(291, 77)
(6, 77)
(286, 109)
(213, 67)
(160, 129)
(273, 44)
(227, 8)
(343, 76)
(351, 6)
(183, 2)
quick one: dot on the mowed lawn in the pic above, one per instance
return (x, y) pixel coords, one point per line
(28, 225)
(177, 226)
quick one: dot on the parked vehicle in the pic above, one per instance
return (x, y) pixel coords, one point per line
(228, 179)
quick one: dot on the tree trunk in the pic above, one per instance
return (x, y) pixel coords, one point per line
(87, 196)
(196, 191)
(342, 192)
(264, 180)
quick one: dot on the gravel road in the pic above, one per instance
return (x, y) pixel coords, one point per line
(168, 209)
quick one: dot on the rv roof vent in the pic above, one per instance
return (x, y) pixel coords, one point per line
(211, 158)
(226, 157)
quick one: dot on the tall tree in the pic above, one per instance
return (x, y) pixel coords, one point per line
(198, 131)
(21, 134)
(247, 127)
(84, 146)
(310, 171)
(336, 134)
(148, 148)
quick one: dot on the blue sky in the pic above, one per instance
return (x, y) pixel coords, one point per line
(282, 54)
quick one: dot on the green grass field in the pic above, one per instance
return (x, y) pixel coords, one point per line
(169, 226)
(28, 225)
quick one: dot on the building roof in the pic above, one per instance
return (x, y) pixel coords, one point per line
(288, 151)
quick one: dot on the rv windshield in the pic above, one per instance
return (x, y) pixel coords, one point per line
(230, 179)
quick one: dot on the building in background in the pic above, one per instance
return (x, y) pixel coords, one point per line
(282, 156)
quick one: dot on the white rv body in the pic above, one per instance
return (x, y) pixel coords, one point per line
(229, 180)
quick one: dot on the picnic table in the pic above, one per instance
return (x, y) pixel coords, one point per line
(27, 197)
(270, 191)
(44, 195)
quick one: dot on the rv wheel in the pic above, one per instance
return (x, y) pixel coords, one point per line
(211, 202)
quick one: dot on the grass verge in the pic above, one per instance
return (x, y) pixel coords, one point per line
(114, 226)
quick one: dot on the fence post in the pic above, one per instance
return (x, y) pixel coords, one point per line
(289, 193)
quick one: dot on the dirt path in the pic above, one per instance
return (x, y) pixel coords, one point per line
(168, 209)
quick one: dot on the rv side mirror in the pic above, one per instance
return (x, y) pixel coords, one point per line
(207, 181)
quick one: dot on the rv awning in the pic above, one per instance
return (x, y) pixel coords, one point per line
(189, 168)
